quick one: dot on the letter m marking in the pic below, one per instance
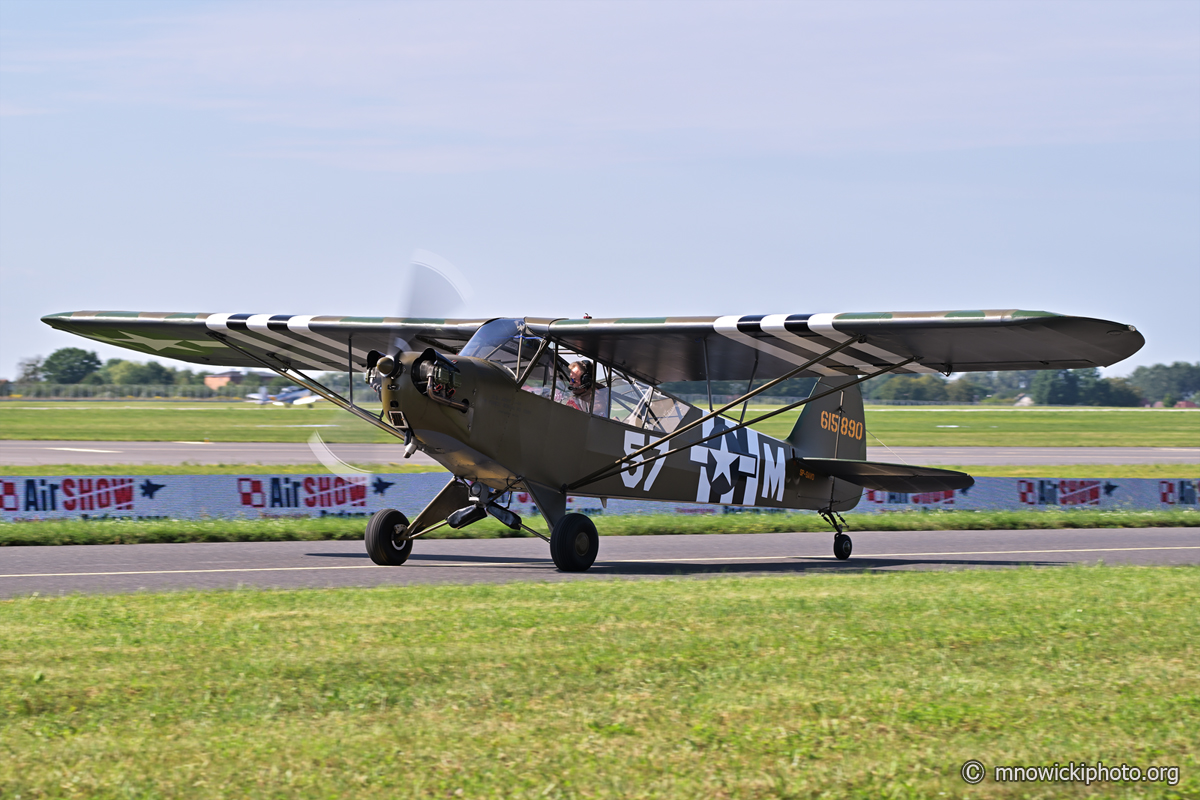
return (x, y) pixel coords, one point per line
(774, 470)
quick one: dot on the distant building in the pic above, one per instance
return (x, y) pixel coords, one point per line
(1023, 400)
(1186, 404)
(233, 376)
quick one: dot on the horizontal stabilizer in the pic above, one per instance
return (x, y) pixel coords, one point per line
(889, 477)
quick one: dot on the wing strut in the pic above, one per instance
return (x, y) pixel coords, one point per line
(615, 467)
(749, 386)
(707, 377)
(602, 473)
(293, 374)
(524, 376)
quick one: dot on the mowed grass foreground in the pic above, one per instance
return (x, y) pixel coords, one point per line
(83, 532)
(926, 426)
(863, 686)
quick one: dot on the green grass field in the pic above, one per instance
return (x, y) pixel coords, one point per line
(854, 686)
(987, 426)
(64, 532)
(167, 422)
(927, 426)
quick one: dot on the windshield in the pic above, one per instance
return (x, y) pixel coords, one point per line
(504, 342)
(606, 392)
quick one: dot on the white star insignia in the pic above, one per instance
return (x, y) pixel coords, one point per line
(157, 345)
(724, 460)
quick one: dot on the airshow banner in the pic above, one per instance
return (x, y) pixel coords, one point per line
(284, 496)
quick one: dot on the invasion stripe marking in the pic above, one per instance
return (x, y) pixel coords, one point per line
(220, 324)
(278, 322)
(237, 322)
(598, 563)
(823, 324)
(300, 325)
(728, 327)
(304, 360)
(265, 324)
(775, 325)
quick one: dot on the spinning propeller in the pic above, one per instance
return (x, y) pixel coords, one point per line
(433, 289)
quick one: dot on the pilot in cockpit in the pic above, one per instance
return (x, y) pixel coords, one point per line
(584, 392)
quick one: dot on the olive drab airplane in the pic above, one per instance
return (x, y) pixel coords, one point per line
(558, 406)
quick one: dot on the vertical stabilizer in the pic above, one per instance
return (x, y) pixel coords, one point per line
(832, 427)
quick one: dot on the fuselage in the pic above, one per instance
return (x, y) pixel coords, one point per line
(493, 430)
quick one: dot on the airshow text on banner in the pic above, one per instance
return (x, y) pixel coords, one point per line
(265, 496)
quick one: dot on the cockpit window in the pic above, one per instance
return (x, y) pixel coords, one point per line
(644, 406)
(503, 341)
(575, 380)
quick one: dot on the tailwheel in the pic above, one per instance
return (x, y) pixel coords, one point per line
(574, 543)
(842, 546)
(387, 539)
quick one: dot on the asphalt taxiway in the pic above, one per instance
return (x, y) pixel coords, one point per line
(34, 453)
(225, 565)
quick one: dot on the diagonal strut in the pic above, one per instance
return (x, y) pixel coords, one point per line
(615, 467)
(293, 374)
(743, 399)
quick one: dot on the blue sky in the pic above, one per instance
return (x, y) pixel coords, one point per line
(610, 158)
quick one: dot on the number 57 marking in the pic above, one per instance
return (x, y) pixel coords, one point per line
(635, 441)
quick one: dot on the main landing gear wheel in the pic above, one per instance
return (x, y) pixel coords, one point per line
(842, 546)
(386, 539)
(574, 543)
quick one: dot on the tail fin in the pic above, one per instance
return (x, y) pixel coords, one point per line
(832, 427)
(830, 439)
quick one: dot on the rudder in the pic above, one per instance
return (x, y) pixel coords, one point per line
(833, 426)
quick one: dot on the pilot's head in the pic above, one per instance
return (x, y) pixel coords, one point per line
(580, 376)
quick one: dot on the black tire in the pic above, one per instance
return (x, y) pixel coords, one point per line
(574, 543)
(381, 538)
(842, 546)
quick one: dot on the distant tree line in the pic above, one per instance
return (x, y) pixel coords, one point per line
(1168, 383)
(1067, 387)
(76, 365)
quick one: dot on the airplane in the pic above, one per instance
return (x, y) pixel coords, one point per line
(291, 395)
(558, 406)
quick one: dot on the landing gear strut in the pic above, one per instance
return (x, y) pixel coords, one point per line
(842, 546)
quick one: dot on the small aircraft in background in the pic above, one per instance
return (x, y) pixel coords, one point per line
(292, 395)
(558, 406)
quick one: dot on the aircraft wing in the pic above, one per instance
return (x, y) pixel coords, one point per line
(734, 347)
(655, 350)
(322, 343)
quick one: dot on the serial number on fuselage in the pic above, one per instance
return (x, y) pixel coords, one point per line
(842, 424)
